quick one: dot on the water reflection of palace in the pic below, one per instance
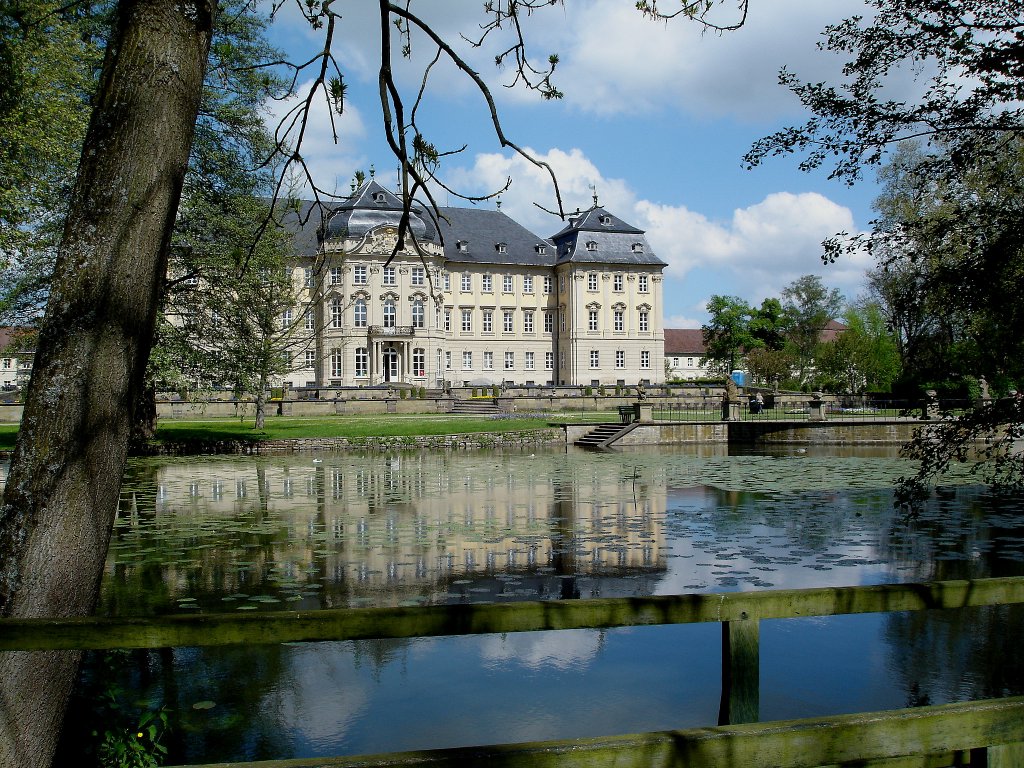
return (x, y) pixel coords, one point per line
(391, 528)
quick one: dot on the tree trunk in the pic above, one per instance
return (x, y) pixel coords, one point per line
(65, 476)
(261, 408)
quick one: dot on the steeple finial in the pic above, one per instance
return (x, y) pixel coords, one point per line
(593, 188)
(499, 203)
(372, 171)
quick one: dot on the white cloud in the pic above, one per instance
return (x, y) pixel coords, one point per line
(564, 650)
(331, 163)
(764, 246)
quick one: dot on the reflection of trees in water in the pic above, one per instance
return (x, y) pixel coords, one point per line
(942, 656)
(220, 701)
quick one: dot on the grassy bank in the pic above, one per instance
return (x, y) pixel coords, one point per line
(286, 427)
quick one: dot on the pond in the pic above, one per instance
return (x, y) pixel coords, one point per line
(216, 534)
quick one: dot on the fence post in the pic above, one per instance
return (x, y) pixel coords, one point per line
(999, 756)
(741, 672)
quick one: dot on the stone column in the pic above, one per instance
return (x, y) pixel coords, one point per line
(817, 407)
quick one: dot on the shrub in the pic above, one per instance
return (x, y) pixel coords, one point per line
(495, 391)
(588, 391)
(402, 394)
(476, 392)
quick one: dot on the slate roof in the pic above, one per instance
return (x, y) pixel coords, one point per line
(482, 231)
(371, 205)
(596, 236)
(684, 341)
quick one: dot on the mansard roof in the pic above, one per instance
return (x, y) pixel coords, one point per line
(482, 236)
(596, 236)
(369, 207)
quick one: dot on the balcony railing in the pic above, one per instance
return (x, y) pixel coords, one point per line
(391, 330)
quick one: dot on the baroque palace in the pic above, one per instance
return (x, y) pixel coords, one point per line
(476, 299)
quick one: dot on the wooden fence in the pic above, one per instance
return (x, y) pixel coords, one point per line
(983, 733)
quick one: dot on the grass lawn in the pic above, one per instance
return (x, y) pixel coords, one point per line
(376, 425)
(373, 425)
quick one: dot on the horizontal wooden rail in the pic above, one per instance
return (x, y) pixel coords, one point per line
(863, 739)
(463, 619)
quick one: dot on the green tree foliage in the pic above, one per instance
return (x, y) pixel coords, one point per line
(809, 306)
(48, 60)
(863, 357)
(949, 236)
(727, 333)
(964, 57)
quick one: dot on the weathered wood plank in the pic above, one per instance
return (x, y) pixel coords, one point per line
(862, 739)
(741, 672)
(432, 621)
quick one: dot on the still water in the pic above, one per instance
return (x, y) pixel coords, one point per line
(325, 531)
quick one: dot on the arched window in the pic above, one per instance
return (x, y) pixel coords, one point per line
(390, 315)
(336, 313)
(362, 361)
(359, 313)
(418, 315)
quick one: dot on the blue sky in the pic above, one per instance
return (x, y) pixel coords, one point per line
(656, 117)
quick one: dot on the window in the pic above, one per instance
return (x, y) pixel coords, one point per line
(507, 284)
(606, 220)
(561, 359)
(528, 321)
(644, 321)
(595, 359)
(548, 284)
(641, 283)
(448, 320)
(549, 361)
(286, 318)
(390, 276)
(447, 360)
(362, 362)
(592, 320)
(529, 361)
(510, 361)
(419, 362)
(309, 276)
(501, 247)
(620, 320)
(467, 361)
(337, 363)
(592, 281)
(638, 247)
(467, 320)
(335, 275)
(418, 314)
(689, 362)
(527, 283)
(506, 321)
(447, 281)
(561, 319)
(310, 320)
(620, 358)
(336, 312)
(591, 245)
(541, 249)
(358, 313)
(561, 283)
(467, 282)
(488, 283)
(549, 322)
(419, 276)
(488, 321)
(390, 315)
(310, 358)
(359, 274)
(645, 359)
(462, 245)
(488, 361)
(617, 282)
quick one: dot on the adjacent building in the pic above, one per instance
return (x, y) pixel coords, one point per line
(685, 354)
(474, 298)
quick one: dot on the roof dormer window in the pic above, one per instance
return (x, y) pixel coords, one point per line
(462, 246)
(638, 247)
(379, 197)
(501, 247)
(606, 220)
(541, 249)
(591, 245)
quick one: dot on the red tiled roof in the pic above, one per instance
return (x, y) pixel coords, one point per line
(684, 341)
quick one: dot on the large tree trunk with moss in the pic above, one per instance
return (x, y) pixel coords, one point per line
(65, 475)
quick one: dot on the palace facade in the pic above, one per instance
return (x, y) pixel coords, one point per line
(475, 299)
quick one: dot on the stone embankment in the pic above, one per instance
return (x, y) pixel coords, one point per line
(318, 444)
